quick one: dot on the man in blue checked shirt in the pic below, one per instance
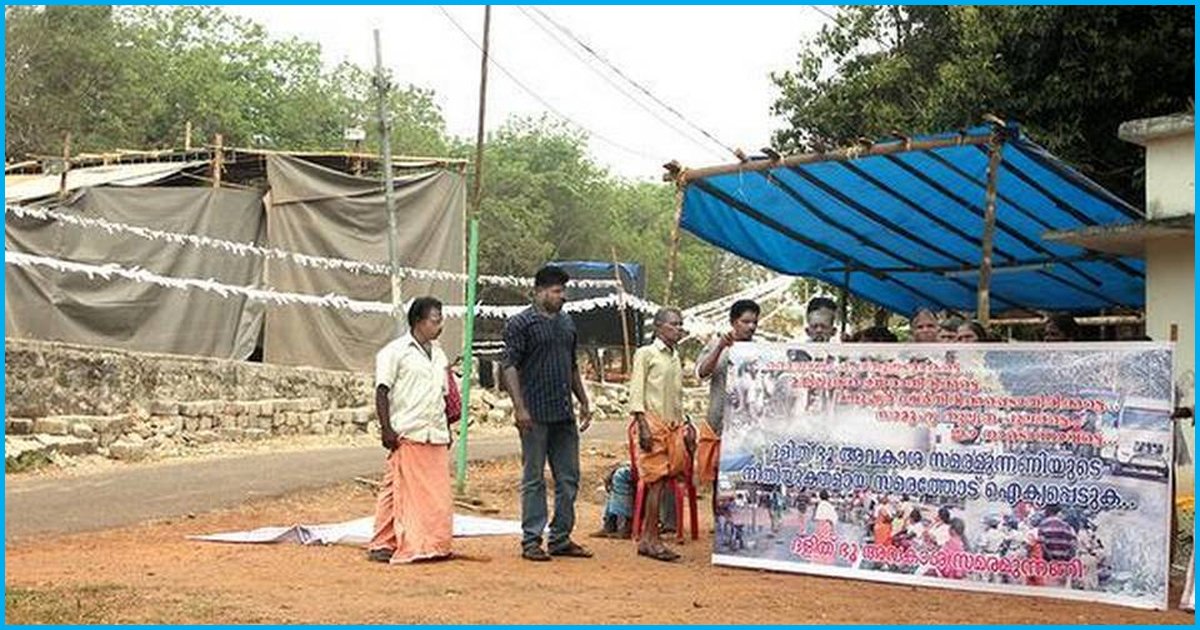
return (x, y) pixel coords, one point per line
(540, 374)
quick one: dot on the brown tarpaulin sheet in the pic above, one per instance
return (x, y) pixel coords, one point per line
(319, 211)
(41, 303)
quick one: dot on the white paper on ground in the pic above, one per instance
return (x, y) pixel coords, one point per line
(355, 532)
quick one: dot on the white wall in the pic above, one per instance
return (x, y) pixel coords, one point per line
(1170, 299)
(1170, 176)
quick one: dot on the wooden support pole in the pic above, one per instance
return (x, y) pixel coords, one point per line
(66, 166)
(625, 358)
(984, 309)
(845, 305)
(673, 257)
(218, 161)
(187, 136)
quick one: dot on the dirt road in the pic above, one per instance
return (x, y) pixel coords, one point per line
(139, 492)
(148, 573)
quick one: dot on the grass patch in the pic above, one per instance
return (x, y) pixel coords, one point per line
(106, 604)
(83, 605)
(27, 461)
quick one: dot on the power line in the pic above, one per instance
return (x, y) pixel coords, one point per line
(818, 9)
(616, 86)
(554, 110)
(635, 84)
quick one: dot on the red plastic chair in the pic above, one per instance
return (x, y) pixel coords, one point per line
(680, 490)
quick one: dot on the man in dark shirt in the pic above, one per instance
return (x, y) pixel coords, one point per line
(540, 374)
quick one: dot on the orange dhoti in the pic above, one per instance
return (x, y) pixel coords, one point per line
(668, 452)
(414, 514)
(708, 454)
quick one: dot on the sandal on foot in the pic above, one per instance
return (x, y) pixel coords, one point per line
(664, 554)
(380, 555)
(536, 554)
(572, 550)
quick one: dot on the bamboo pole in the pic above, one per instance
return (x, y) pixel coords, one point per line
(421, 160)
(66, 157)
(673, 257)
(845, 301)
(460, 476)
(218, 163)
(984, 308)
(847, 153)
(1106, 320)
(625, 358)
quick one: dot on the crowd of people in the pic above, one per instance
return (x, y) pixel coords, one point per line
(417, 403)
(926, 327)
(1025, 532)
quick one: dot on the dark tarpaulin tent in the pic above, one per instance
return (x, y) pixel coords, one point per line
(313, 210)
(602, 326)
(321, 211)
(48, 304)
(901, 222)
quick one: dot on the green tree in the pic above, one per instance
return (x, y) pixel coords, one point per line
(1069, 74)
(132, 77)
(545, 199)
(418, 127)
(62, 67)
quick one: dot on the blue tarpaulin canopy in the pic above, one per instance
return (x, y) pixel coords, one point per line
(903, 222)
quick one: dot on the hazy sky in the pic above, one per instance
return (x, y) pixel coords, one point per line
(710, 63)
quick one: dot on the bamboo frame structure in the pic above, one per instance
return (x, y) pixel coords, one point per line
(991, 142)
(843, 154)
(1096, 320)
(207, 152)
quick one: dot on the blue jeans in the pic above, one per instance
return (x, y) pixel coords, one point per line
(557, 442)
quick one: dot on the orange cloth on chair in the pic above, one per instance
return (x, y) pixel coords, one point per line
(668, 453)
(414, 514)
(708, 454)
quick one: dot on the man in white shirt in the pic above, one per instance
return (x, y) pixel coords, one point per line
(414, 518)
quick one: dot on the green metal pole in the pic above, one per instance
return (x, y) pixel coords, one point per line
(460, 478)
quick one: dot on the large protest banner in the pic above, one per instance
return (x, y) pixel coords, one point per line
(1034, 469)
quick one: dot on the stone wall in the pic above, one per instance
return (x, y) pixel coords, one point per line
(49, 379)
(75, 400)
(69, 400)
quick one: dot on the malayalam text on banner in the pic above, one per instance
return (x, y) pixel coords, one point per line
(1036, 469)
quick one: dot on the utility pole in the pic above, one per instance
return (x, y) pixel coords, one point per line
(382, 89)
(460, 473)
(477, 188)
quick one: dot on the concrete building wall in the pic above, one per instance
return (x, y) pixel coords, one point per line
(1170, 176)
(1170, 263)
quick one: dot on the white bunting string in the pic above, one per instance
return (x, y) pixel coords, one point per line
(282, 298)
(249, 249)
